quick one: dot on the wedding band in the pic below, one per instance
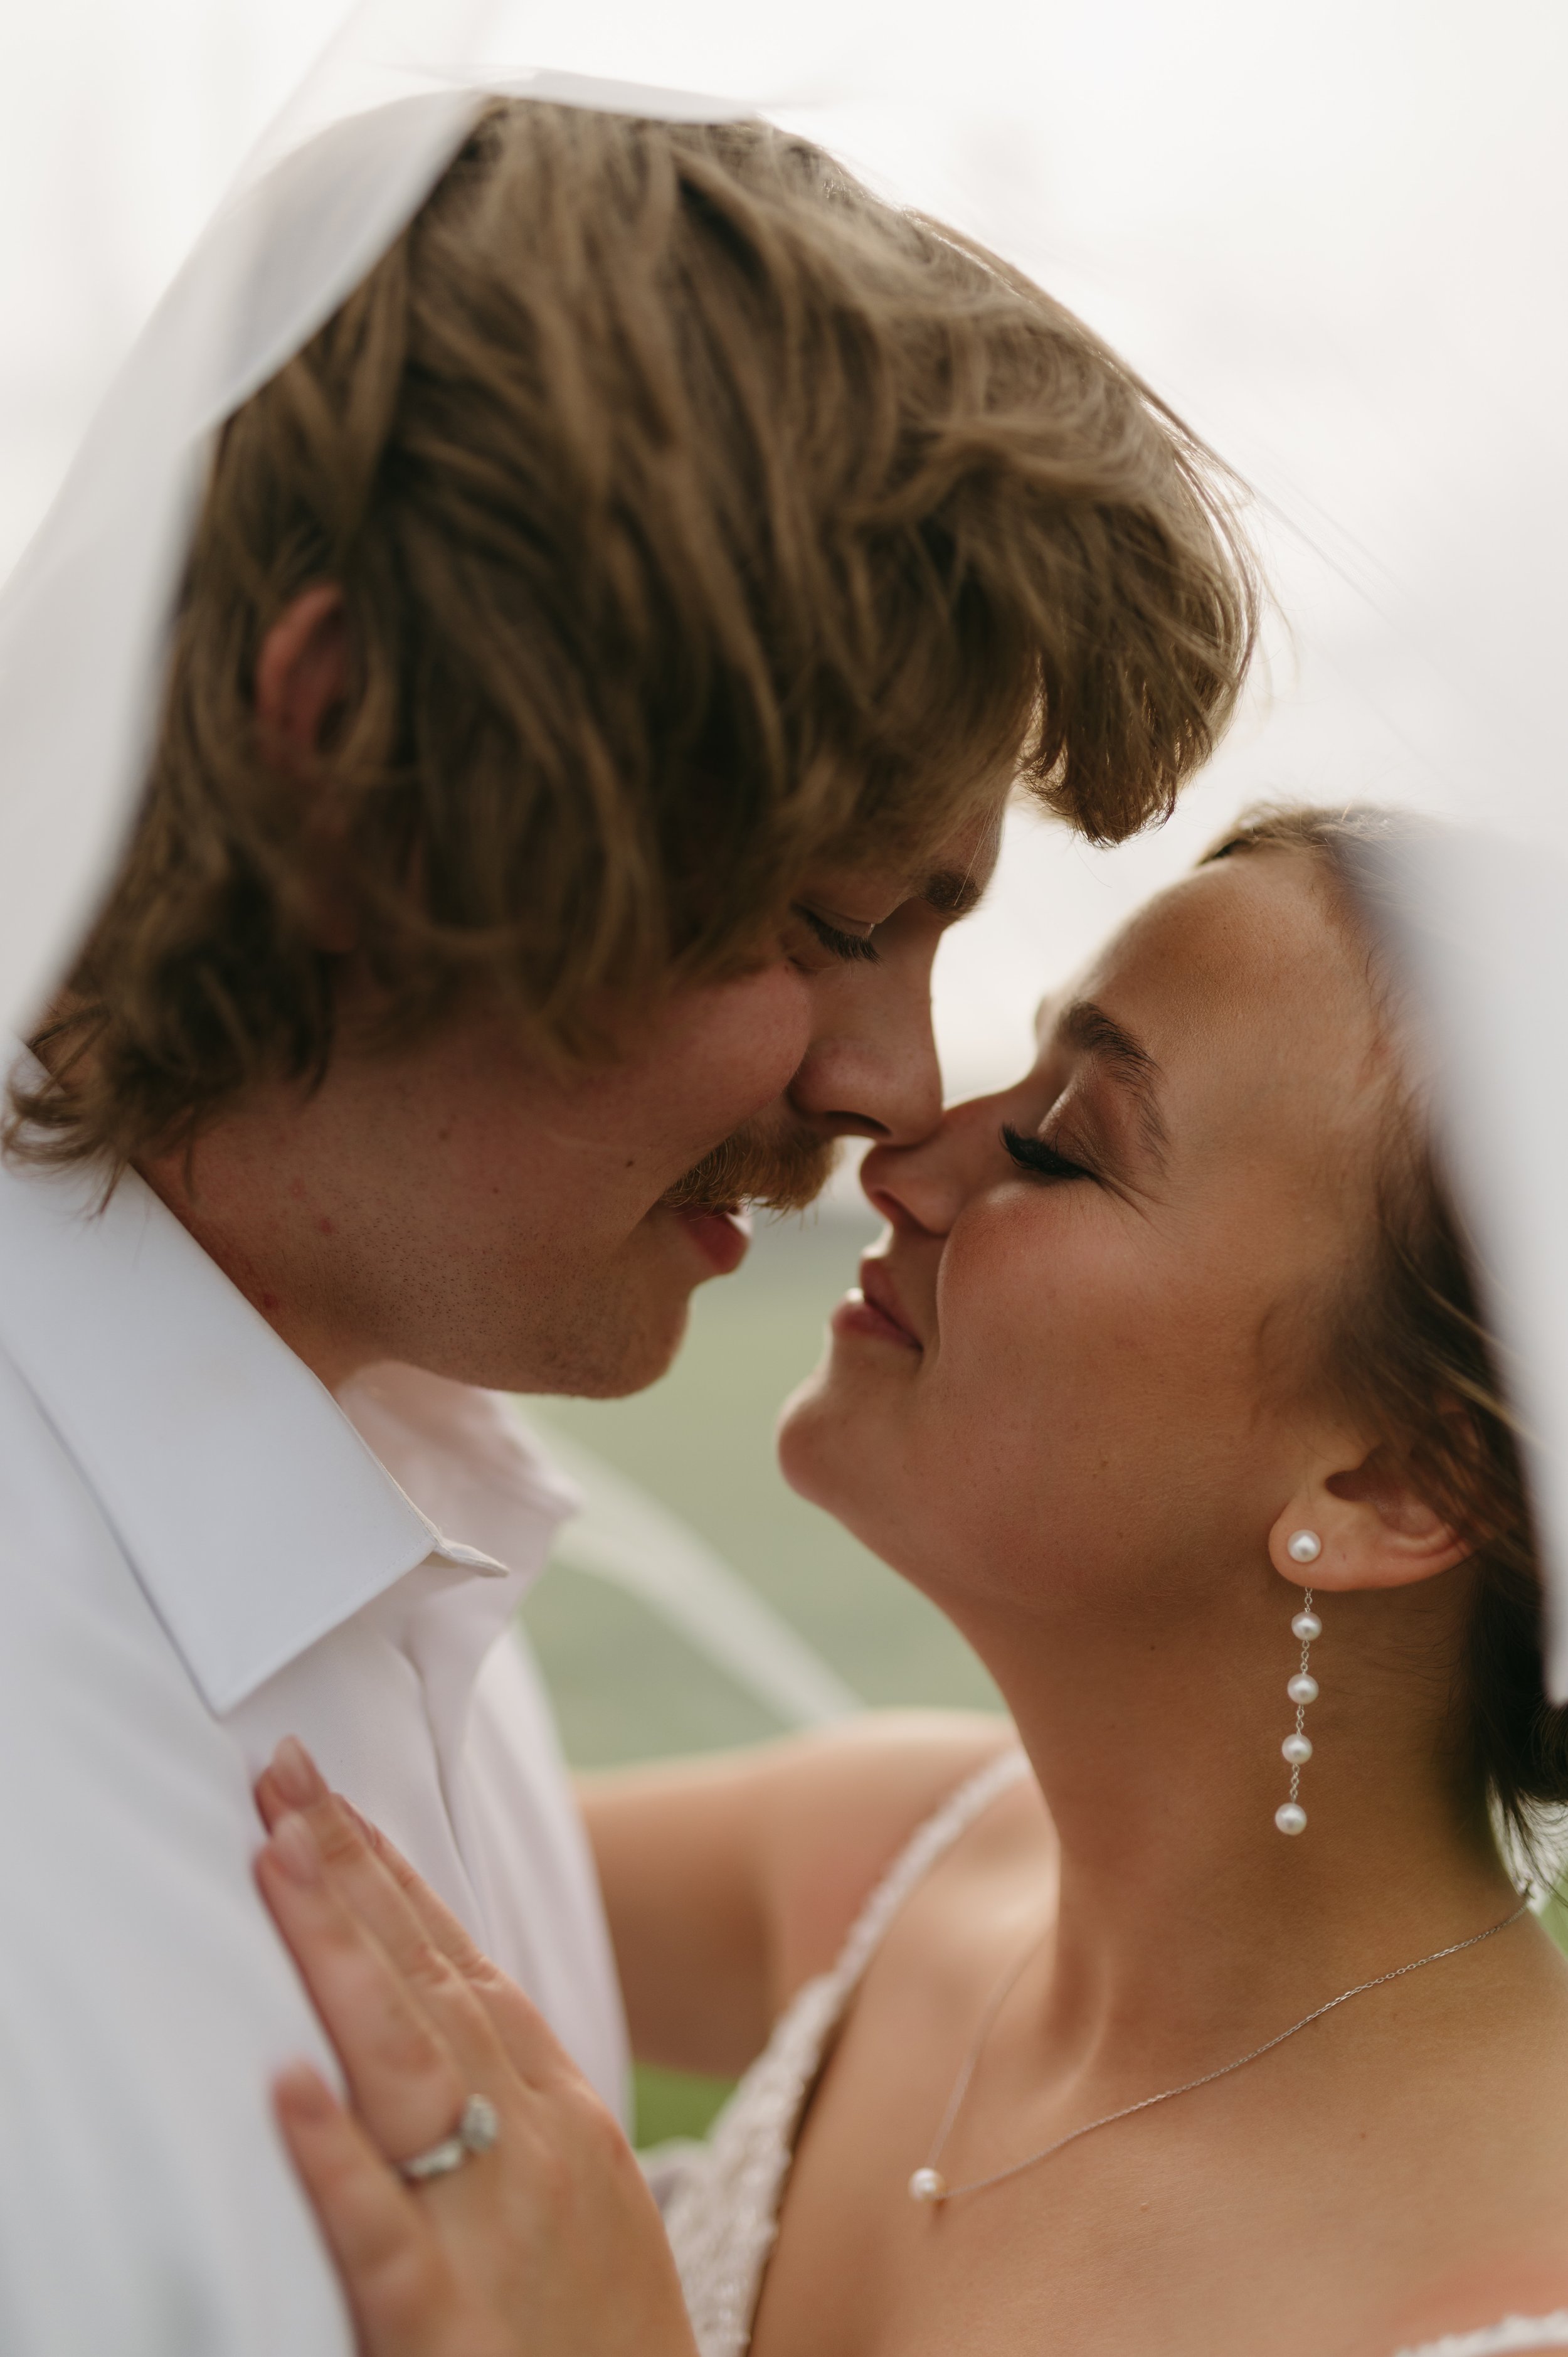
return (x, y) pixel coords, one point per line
(475, 2132)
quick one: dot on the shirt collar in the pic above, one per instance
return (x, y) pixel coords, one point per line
(467, 1458)
(254, 1513)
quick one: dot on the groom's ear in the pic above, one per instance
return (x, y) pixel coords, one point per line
(1374, 1526)
(301, 689)
(302, 679)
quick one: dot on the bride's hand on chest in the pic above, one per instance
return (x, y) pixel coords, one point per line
(476, 2195)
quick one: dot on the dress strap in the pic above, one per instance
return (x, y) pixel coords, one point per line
(931, 1841)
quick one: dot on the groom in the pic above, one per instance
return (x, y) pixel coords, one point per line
(604, 653)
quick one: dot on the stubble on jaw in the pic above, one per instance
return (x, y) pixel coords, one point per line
(608, 1341)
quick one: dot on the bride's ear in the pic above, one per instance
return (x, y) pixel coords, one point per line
(1374, 1530)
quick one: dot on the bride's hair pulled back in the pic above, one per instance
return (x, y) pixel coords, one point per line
(1408, 1353)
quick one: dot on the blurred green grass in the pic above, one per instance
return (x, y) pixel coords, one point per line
(669, 2104)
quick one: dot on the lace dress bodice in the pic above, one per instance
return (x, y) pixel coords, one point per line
(721, 2198)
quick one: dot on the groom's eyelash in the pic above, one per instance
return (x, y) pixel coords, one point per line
(1042, 1161)
(848, 946)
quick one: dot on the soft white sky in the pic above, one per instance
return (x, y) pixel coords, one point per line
(1332, 235)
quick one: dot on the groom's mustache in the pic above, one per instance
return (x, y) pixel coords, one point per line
(774, 1170)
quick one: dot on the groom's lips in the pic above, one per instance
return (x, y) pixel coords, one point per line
(874, 1311)
(720, 1236)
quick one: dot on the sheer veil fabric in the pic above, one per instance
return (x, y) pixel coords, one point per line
(84, 616)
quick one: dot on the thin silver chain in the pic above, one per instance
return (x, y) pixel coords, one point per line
(1008, 1982)
(1305, 1670)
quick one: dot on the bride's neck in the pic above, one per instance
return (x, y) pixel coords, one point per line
(1181, 1904)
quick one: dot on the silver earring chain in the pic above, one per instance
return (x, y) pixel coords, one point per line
(1302, 1688)
(1303, 1671)
(928, 2183)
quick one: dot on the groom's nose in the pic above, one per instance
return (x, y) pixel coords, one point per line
(871, 1069)
(922, 1191)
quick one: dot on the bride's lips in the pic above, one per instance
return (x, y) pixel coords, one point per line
(873, 1311)
(721, 1237)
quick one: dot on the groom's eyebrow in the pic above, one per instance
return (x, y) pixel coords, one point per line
(952, 893)
(1088, 1027)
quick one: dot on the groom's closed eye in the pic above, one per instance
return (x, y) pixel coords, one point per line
(847, 946)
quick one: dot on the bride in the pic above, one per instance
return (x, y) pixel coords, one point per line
(1200, 2011)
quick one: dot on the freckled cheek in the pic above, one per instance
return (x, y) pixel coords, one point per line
(1060, 1322)
(724, 1055)
(1014, 1276)
(756, 1042)
(715, 1089)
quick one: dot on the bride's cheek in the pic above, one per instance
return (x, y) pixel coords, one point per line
(995, 1300)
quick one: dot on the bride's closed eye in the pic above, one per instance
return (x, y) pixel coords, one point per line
(1042, 1161)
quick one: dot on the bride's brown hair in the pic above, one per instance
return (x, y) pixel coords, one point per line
(1408, 1352)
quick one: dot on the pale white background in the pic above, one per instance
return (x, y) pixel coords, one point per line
(1333, 236)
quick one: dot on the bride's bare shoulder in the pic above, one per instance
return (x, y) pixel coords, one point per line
(1489, 2173)
(843, 1806)
(1502, 2307)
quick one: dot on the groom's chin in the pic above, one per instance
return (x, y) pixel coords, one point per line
(623, 1356)
(619, 1327)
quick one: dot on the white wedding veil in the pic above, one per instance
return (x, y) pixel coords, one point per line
(1357, 217)
(85, 614)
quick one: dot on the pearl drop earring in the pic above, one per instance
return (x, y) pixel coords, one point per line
(1301, 1547)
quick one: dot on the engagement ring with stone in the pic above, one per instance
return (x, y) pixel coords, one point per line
(475, 2132)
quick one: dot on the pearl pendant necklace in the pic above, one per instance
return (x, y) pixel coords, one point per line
(927, 2184)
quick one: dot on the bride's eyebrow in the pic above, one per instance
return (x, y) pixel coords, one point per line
(1088, 1029)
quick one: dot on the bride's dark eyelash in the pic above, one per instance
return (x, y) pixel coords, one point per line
(847, 946)
(1043, 1161)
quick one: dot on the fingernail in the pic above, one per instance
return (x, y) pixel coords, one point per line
(296, 1774)
(294, 1845)
(301, 2091)
(364, 1824)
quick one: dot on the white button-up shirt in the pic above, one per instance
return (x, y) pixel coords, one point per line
(201, 1551)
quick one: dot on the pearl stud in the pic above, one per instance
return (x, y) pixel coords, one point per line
(927, 2185)
(1303, 1547)
(1291, 1817)
(1298, 1749)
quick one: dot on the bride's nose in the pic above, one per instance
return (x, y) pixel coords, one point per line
(921, 1189)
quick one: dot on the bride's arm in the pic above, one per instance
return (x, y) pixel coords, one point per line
(730, 1881)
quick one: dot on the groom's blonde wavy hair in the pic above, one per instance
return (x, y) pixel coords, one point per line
(697, 515)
